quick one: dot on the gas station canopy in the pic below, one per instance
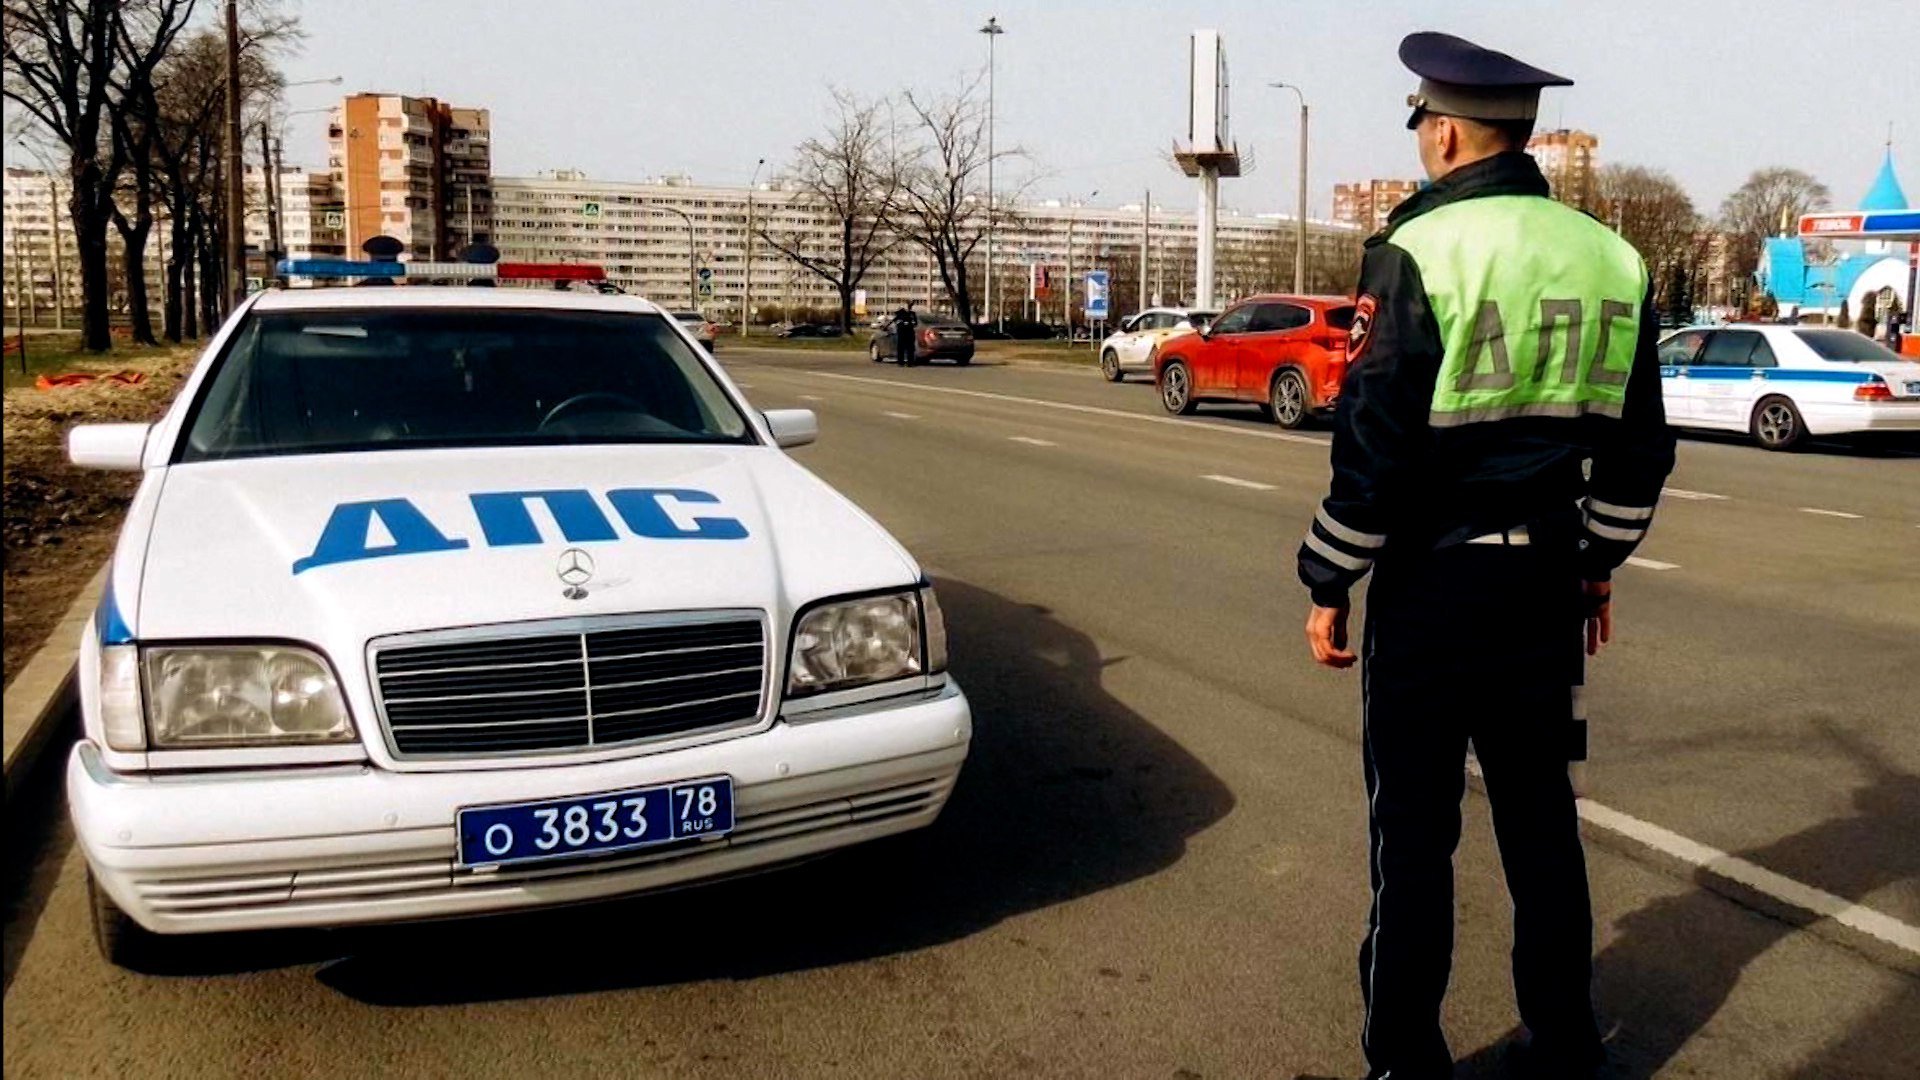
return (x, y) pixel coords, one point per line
(1896, 225)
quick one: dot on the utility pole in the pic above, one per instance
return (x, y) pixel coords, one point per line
(236, 190)
(1146, 229)
(59, 289)
(993, 30)
(273, 199)
(1300, 224)
(746, 289)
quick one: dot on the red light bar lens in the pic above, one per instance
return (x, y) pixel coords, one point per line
(551, 271)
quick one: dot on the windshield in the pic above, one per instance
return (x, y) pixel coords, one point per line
(1845, 346)
(312, 382)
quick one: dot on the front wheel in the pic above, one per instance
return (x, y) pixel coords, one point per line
(1110, 365)
(1288, 399)
(1176, 389)
(1777, 424)
(123, 942)
(873, 352)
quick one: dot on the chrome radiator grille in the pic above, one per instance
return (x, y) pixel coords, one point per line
(576, 689)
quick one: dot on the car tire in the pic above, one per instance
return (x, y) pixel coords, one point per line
(873, 352)
(123, 942)
(1176, 389)
(963, 361)
(1287, 400)
(1776, 423)
(1110, 365)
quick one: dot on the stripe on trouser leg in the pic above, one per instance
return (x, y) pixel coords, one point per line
(1377, 840)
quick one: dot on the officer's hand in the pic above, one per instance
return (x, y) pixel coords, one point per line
(1327, 637)
(1599, 614)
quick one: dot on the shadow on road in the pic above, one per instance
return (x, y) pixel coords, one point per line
(1679, 959)
(1067, 792)
(38, 839)
(1869, 445)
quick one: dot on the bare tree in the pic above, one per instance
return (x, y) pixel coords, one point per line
(60, 57)
(943, 197)
(148, 30)
(1651, 211)
(850, 177)
(1766, 205)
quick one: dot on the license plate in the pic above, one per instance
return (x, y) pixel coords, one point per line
(1913, 388)
(595, 824)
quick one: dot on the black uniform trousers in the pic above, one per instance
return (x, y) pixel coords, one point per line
(1482, 643)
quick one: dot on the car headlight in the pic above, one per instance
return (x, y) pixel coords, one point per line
(873, 639)
(243, 695)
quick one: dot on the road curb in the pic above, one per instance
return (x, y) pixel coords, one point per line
(44, 692)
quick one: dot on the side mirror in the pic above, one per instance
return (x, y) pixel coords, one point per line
(108, 446)
(792, 427)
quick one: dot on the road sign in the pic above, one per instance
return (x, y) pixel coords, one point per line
(706, 273)
(336, 220)
(706, 288)
(1097, 282)
(591, 210)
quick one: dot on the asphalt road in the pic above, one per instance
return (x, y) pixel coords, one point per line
(1155, 863)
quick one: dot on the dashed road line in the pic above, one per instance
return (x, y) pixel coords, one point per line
(1829, 513)
(902, 415)
(1651, 564)
(1030, 441)
(811, 397)
(743, 385)
(1692, 496)
(1062, 406)
(1234, 481)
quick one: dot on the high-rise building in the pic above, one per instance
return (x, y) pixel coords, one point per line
(312, 219)
(636, 232)
(416, 169)
(1367, 203)
(1569, 161)
(36, 216)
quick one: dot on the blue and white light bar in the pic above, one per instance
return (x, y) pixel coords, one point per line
(506, 271)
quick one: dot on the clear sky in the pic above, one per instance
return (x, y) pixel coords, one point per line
(1095, 93)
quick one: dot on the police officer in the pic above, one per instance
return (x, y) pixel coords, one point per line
(1498, 450)
(905, 323)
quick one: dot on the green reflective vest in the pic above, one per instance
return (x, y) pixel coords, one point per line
(1538, 307)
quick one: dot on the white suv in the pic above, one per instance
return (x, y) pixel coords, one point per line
(437, 601)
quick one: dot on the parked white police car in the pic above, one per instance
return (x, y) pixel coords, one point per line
(1782, 383)
(438, 601)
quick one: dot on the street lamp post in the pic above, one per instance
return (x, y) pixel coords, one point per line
(746, 293)
(693, 264)
(1300, 236)
(993, 29)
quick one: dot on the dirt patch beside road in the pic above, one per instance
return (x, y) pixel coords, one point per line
(60, 521)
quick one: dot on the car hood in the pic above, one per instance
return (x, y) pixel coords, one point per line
(338, 549)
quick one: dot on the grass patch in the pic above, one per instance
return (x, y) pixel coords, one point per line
(60, 353)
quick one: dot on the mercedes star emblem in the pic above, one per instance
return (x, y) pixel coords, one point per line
(575, 570)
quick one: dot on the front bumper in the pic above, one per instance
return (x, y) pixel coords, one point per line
(342, 845)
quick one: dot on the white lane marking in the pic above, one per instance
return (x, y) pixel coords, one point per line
(811, 397)
(1062, 406)
(743, 385)
(1650, 564)
(1829, 513)
(1759, 878)
(1234, 481)
(1692, 496)
(1030, 441)
(902, 415)
(1733, 868)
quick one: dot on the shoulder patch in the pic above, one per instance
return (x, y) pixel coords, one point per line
(1361, 331)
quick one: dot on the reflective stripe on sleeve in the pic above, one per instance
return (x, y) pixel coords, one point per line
(1352, 536)
(1336, 556)
(1624, 513)
(1610, 532)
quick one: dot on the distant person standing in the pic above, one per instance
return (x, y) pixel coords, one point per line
(905, 327)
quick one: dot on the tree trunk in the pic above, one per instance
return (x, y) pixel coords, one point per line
(846, 307)
(89, 218)
(133, 238)
(211, 288)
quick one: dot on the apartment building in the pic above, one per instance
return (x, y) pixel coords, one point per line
(684, 243)
(416, 169)
(312, 215)
(39, 251)
(1366, 204)
(1569, 159)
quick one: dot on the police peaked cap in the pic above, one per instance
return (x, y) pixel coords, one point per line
(1459, 78)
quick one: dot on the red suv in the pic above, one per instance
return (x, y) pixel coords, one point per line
(1284, 353)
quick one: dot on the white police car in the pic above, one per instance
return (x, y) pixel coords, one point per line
(1782, 383)
(438, 601)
